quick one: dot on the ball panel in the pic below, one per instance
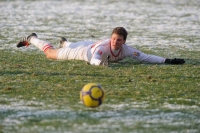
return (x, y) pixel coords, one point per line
(88, 86)
(89, 102)
(96, 92)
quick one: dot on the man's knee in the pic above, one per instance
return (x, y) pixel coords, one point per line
(51, 54)
(48, 56)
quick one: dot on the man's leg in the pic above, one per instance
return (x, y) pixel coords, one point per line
(51, 53)
(44, 46)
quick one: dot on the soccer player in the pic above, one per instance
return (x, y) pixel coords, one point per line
(99, 53)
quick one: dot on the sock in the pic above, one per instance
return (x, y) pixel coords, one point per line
(66, 44)
(42, 45)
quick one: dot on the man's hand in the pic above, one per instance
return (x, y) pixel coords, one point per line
(175, 61)
(105, 62)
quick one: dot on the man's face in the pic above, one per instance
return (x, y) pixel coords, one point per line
(117, 41)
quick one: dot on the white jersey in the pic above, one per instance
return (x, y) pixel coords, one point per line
(94, 53)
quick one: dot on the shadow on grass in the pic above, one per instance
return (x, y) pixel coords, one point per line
(192, 61)
(18, 72)
(129, 62)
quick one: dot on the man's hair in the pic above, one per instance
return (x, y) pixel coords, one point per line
(120, 31)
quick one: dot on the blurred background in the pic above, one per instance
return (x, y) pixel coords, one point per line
(150, 23)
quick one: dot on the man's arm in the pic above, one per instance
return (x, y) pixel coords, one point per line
(138, 55)
(96, 60)
(105, 62)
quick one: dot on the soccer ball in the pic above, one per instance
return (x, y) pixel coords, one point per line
(92, 95)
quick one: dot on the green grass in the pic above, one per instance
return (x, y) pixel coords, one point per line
(142, 90)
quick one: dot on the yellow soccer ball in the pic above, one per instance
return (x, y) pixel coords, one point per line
(92, 95)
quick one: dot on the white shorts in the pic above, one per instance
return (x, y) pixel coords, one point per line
(75, 51)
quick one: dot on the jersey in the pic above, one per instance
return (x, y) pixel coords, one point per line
(95, 53)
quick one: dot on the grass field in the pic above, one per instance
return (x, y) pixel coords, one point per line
(38, 95)
(41, 95)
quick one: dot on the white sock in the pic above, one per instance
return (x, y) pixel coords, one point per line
(66, 44)
(42, 45)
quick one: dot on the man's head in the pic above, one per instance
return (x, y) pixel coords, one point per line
(118, 37)
(120, 31)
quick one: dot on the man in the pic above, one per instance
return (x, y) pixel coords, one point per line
(99, 53)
